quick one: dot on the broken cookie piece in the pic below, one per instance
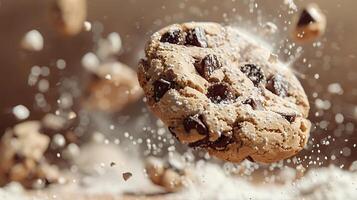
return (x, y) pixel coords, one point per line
(310, 25)
(22, 159)
(172, 176)
(112, 87)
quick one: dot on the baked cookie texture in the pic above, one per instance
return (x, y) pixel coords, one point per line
(216, 88)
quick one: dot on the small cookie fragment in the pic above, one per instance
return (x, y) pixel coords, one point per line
(22, 156)
(171, 176)
(311, 24)
(69, 15)
(112, 87)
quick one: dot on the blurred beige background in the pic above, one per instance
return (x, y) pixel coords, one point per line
(335, 60)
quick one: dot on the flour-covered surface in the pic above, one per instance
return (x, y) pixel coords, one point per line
(97, 178)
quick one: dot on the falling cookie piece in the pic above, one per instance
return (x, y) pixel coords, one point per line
(220, 90)
(310, 25)
(171, 176)
(112, 87)
(32, 41)
(69, 15)
(22, 159)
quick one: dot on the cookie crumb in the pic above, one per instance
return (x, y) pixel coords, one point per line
(127, 175)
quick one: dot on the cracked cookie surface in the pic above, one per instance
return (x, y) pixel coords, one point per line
(217, 89)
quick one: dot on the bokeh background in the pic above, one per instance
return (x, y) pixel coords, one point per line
(330, 60)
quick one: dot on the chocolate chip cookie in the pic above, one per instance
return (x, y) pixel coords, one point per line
(220, 89)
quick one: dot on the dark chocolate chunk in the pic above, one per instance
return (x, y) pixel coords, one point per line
(171, 129)
(221, 143)
(254, 73)
(254, 103)
(161, 86)
(172, 36)
(196, 37)
(289, 116)
(207, 65)
(195, 122)
(19, 158)
(220, 92)
(201, 143)
(250, 159)
(305, 18)
(277, 85)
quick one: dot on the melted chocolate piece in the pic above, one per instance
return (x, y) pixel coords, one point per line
(201, 143)
(254, 73)
(196, 37)
(161, 86)
(277, 85)
(195, 122)
(220, 92)
(207, 65)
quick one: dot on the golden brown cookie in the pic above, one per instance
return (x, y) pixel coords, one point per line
(216, 88)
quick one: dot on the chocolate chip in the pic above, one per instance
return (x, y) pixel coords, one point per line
(254, 103)
(250, 159)
(289, 116)
(277, 85)
(172, 36)
(195, 122)
(254, 73)
(207, 65)
(196, 37)
(201, 143)
(171, 129)
(19, 158)
(220, 92)
(305, 18)
(161, 86)
(221, 143)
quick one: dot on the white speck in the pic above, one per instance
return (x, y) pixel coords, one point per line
(335, 88)
(291, 4)
(339, 118)
(108, 77)
(61, 64)
(21, 112)
(32, 41)
(72, 115)
(87, 26)
(59, 140)
(115, 41)
(90, 61)
(43, 85)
